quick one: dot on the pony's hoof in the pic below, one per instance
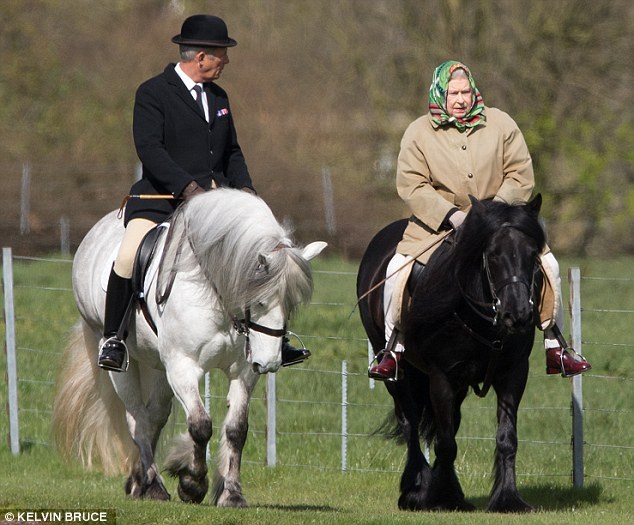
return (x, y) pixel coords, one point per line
(154, 491)
(192, 490)
(231, 500)
(517, 507)
(157, 492)
(133, 488)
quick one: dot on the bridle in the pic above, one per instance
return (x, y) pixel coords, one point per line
(244, 325)
(494, 290)
(493, 306)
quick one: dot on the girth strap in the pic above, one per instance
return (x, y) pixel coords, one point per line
(496, 346)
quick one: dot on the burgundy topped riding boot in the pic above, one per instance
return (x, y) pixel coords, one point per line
(387, 368)
(566, 362)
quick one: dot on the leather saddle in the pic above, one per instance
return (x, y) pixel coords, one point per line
(145, 257)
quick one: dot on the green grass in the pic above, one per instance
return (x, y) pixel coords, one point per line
(307, 485)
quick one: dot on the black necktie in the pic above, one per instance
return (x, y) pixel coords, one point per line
(199, 97)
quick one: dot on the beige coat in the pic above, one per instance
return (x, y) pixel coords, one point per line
(439, 167)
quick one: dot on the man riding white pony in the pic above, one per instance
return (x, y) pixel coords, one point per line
(186, 140)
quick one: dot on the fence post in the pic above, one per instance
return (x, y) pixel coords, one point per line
(329, 201)
(574, 278)
(64, 235)
(208, 408)
(25, 199)
(12, 374)
(271, 447)
(344, 415)
(370, 362)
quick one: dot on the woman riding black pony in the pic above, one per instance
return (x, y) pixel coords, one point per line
(470, 323)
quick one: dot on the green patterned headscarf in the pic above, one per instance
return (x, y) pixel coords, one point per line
(438, 98)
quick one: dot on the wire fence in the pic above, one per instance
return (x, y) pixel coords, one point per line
(327, 418)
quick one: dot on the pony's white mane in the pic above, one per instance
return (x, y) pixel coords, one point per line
(241, 251)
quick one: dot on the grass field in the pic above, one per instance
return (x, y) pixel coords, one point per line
(307, 485)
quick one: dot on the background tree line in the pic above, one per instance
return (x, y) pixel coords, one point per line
(322, 84)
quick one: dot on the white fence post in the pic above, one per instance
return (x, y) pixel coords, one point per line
(370, 361)
(12, 374)
(574, 277)
(271, 430)
(344, 415)
(208, 407)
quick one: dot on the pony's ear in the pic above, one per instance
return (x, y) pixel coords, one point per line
(476, 205)
(535, 204)
(263, 263)
(313, 249)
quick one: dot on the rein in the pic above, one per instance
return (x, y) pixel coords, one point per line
(427, 247)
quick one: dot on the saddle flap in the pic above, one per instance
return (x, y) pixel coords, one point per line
(147, 260)
(548, 303)
(401, 295)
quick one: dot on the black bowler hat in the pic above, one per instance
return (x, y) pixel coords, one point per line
(204, 31)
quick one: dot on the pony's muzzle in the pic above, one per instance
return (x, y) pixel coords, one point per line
(518, 320)
(261, 369)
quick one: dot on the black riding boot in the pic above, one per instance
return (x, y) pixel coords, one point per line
(292, 355)
(113, 353)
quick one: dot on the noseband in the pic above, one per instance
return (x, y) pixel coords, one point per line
(494, 290)
(245, 325)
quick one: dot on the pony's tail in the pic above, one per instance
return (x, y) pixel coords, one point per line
(89, 421)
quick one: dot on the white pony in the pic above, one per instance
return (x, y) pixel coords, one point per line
(232, 278)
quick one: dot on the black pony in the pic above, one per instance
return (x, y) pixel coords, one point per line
(470, 323)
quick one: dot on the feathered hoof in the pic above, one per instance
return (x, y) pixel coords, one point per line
(192, 489)
(154, 491)
(227, 493)
(231, 500)
(413, 501)
(510, 505)
(462, 506)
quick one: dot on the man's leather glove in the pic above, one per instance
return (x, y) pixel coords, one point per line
(191, 190)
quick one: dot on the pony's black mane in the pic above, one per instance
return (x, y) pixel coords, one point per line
(459, 258)
(488, 217)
